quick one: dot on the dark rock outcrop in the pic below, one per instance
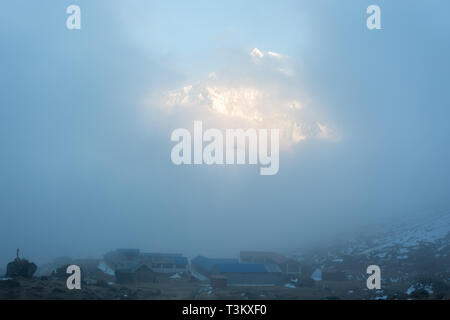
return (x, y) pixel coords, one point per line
(20, 268)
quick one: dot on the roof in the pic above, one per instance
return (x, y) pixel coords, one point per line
(158, 254)
(241, 268)
(272, 256)
(128, 251)
(208, 263)
(176, 258)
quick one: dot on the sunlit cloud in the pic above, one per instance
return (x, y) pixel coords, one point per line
(267, 98)
(256, 53)
(274, 55)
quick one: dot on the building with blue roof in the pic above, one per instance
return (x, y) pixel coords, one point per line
(205, 265)
(166, 262)
(244, 274)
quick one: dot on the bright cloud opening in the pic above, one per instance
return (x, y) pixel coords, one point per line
(268, 98)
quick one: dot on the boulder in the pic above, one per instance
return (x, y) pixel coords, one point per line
(20, 268)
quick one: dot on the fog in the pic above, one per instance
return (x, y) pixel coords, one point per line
(85, 145)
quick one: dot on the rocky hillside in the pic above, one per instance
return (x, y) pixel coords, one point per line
(413, 254)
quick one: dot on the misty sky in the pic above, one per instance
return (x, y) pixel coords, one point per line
(86, 118)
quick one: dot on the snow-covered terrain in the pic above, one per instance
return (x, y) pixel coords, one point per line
(413, 254)
(398, 239)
